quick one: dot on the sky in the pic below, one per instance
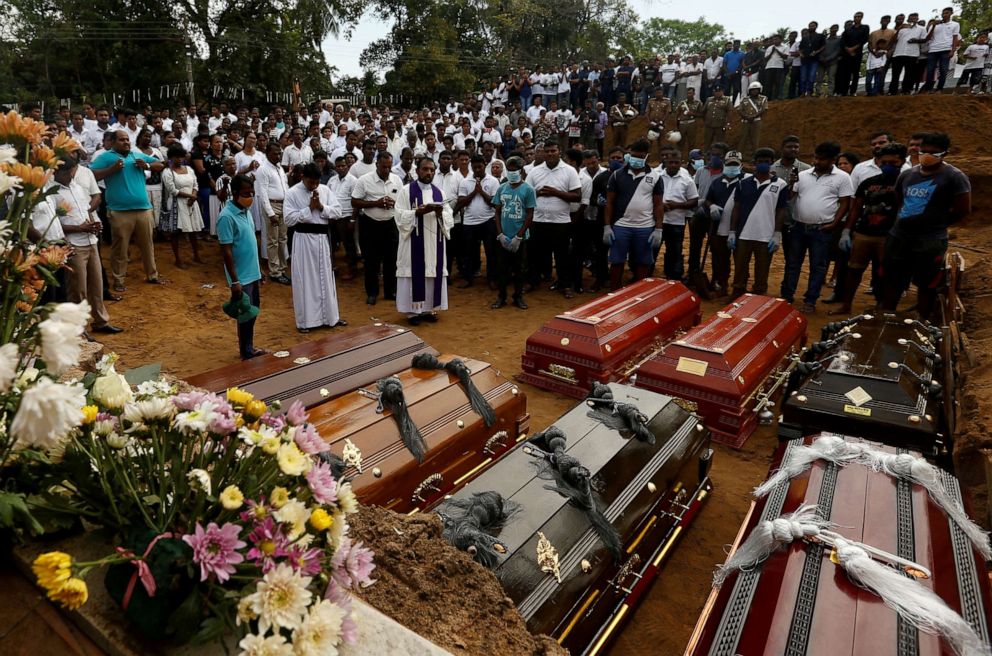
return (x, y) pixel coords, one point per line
(729, 13)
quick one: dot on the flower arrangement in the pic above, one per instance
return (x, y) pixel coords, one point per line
(232, 519)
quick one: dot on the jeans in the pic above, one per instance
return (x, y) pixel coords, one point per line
(804, 237)
(631, 243)
(547, 239)
(874, 81)
(673, 235)
(807, 76)
(937, 62)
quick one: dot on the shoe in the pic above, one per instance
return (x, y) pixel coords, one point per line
(107, 296)
(554, 286)
(833, 298)
(519, 302)
(254, 354)
(119, 287)
(415, 320)
(429, 317)
(341, 323)
(501, 303)
(568, 293)
(108, 329)
(370, 300)
(808, 308)
(154, 281)
(284, 280)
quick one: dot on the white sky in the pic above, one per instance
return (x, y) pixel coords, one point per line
(745, 23)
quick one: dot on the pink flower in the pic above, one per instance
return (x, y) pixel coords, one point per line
(222, 425)
(189, 400)
(215, 549)
(309, 441)
(296, 414)
(352, 564)
(268, 543)
(305, 561)
(322, 483)
(275, 422)
(338, 595)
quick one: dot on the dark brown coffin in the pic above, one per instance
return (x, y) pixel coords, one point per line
(459, 442)
(799, 602)
(857, 392)
(604, 340)
(729, 363)
(650, 494)
(335, 364)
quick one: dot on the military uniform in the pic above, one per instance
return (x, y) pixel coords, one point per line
(657, 111)
(751, 110)
(685, 120)
(620, 116)
(716, 118)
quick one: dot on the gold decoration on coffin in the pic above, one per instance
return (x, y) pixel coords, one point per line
(547, 556)
(685, 404)
(352, 455)
(495, 443)
(430, 484)
(561, 372)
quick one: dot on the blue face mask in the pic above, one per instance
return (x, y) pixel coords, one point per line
(626, 158)
(698, 164)
(513, 177)
(636, 162)
(616, 164)
(762, 168)
(731, 171)
(890, 171)
(716, 162)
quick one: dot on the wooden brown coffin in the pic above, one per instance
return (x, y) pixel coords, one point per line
(459, 444)
(730, 365)
(799, 602)
(848, 384)
(322, 369)
(650, 493)
(604, 340)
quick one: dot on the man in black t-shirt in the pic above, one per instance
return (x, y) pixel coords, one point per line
(930, 197)
(852, 41)
(872, 215)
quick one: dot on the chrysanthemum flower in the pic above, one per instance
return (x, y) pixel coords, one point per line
(32, 177)
(53, 569)
(281, 598)
(215, 549)
(20, 131)
(72, 595)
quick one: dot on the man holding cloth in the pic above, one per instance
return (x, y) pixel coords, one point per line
(239, 250)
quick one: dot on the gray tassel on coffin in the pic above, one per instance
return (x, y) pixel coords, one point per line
(464, 374)
(391, 398)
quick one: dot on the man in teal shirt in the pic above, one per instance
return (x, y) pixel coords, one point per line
(515, 200)
(129, 209)
(236, 234)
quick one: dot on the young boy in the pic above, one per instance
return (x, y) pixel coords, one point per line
(515, 200)
(875, 75)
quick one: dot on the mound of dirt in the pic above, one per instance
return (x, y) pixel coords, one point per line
(441, 593)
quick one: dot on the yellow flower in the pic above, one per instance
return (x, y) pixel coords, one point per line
(72, 595)
(53, 569)
(292, 461)
(89, 414)
(44, 156)
(20, 130)
(32, 177)
(255, 409)
(231, 498)
(64, 145)
(279, 497)
(238, 396)
(321, 520)
(270, 444)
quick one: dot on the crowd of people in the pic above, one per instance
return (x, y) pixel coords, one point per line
(410, 198)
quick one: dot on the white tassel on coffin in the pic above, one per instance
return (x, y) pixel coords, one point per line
(913, 602)
(902, 466)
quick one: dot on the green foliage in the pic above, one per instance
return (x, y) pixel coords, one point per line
(975, 15)
(664, 36)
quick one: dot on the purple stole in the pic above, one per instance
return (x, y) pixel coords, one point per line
(417, 249)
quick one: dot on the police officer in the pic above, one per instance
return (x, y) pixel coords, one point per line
(716, 117)
(686, 113)
(751, 109)
(658, 110)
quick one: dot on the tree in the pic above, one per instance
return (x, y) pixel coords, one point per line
(664, 36)
(974, 15)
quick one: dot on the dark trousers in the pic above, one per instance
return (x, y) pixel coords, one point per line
(483, 234)
(904, 67)
(343, 231)
(203, 198)
(774, 78)
(794, 76)
(937, 65)
(720, 255)
(511, 269)
(379, 241)
(805, 238)
(586, 235)
(547, 240)
(246, 330)
(746, 250)
(699, 225)
(848, 72)
(674, 264)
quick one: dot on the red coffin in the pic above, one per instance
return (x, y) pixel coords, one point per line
(725, 365)
(604, 339)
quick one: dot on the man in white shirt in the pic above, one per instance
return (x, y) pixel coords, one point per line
(712, 69)
(870, 167)
(341, 185)
(823, 195)
(350, 146)
(309, 208)
(93, 138)
(84, 272)
(294, 153)
(271, 186)
(374, 195)
(905, 53)
(475, 202)
(944, 39)
(775, 58)
(77, 130)
(975, 58)
(557, 185)
(534, 111)
(680, 198)
(366, 164)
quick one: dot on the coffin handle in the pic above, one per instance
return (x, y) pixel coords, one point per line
(627, 570)
(495, 443)
(430, 484)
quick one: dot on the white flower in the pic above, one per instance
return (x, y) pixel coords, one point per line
(199, 480)
(292, 461)
(9, 357)
(320, 632)
(8, 155)
(347, 500)
(156, 388)
(336, 533)
(296, 514)
(27, 377)
(106, 362)
(273, 645)
(281, 598)
(111, 390)
(76, 314)
(245, 613)
(47, 413)
(197, 419)
(149, 410)
(61, 344)
(117, 441)
(8, 182)
(104, 427)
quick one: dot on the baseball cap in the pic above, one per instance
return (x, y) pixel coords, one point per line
(733, 157)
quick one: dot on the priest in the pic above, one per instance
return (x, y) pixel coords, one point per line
(308, 208)
(424, 219)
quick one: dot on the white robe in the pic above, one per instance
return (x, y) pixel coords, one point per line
(406, 223)
(315, 298)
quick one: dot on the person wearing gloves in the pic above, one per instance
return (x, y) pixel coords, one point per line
(634, 215)
(515, 201)
(719, 207)
(756, 223)
(872, 215)
(681, 198)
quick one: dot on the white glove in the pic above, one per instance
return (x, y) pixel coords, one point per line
(774, 242)
(716, 212)
(656, 238)
(845, 241)
(731, 240)
(608, 235)
(503, 241)
(515, 244)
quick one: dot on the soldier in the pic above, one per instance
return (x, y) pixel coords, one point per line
(751, 109)
(659, 108)
(716, 117)
(621, 115)
(686, 114)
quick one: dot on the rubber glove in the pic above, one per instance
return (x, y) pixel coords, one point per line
(608, 238)
(845, 241)
(774, 242)
(731, 241)
(656, 238)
